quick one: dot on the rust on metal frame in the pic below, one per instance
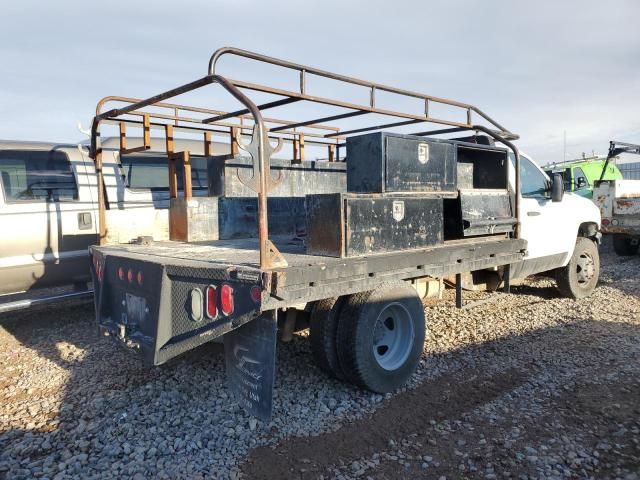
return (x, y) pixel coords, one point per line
(259, 148)
(146, 136)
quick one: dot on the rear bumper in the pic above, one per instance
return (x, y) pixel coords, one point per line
(154, 311)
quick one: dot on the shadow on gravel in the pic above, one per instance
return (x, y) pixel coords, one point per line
(105, 383)
(98, 396)
(452, 396)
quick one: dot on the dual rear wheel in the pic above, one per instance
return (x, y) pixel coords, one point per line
(373, 339)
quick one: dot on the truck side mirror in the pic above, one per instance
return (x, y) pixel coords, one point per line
(557, 188)
(581, 183)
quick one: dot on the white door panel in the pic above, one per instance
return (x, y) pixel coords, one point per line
(547, 227)
(47, 218)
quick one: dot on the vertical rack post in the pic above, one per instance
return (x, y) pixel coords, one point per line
(186, 163)
(102, 214)
(173, 177)
(123, 136)
(298, 148)
(301, 146)
(332, 153)
(208, 151)
(234, 140)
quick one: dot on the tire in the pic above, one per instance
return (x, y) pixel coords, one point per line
(381, 336)
(579, 278)
(323, 327)
(623, 246)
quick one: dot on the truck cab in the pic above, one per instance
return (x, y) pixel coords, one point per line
(580, 175)
(551, 226)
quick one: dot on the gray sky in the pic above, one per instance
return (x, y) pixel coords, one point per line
(539, 68)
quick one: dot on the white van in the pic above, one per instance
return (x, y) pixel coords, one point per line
(48, 206)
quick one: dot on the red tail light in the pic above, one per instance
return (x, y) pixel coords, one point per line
(211, 298)
(99, 268)
(226, 299)
(140, 278)
(256, 294)
(121, 273)
(130, 275)
(605, 221)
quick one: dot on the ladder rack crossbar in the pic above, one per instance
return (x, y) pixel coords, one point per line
(317, 130)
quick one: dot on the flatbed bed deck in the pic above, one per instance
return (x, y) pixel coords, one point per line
(312, 277)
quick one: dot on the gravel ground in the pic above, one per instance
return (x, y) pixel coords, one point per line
(528, 386)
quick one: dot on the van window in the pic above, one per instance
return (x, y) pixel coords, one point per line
(29, 175)
(152, 172)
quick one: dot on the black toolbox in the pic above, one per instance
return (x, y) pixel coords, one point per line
(349, 225)
(388, 162)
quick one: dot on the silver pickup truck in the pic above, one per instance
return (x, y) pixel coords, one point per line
(48, 209)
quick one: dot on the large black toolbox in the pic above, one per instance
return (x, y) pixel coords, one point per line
(350, 225)
(388, 162)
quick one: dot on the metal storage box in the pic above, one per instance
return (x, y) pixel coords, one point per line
(385, 162)
(483, 212)
(349, 225)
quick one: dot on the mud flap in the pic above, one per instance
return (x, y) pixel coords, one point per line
(250, 357)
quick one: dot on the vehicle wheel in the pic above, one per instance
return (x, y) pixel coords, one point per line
(381, 336)
(579, 278)
(323, 327)
(623, 246)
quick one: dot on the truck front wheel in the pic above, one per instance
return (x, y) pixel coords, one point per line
(579, 278)
(624, 245)
(381, 336)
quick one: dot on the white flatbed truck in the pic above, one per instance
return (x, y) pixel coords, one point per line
(416, 207)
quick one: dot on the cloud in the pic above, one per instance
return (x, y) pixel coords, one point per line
(539, 68)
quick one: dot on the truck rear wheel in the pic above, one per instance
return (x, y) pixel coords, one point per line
(623, 245)
(323, 327)
(381, 336)
(579, 278)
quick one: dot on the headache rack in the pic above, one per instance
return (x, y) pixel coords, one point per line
(155, 113)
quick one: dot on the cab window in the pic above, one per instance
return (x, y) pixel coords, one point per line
(577, 174)
(29, 175)
(533, 182)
